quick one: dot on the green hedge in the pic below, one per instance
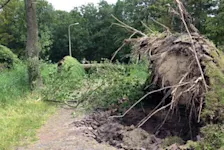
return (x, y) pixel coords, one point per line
(7, 57)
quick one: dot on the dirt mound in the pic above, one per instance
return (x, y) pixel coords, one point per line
(105, 129)
(123, 134)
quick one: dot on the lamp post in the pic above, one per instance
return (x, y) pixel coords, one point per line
(69, 37)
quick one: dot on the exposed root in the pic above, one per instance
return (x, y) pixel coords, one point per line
(161, 125)
(180, 5)
(167, 29)
(149, 93)
(115, 53)
(176, 59)
(122, 24)
(143, 121)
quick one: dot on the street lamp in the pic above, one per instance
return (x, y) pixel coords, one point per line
(69, 37)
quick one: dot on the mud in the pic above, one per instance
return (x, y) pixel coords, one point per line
(107, 130)
(122, 133)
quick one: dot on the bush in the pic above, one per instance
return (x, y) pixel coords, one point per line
(59, 85)
(7, 58)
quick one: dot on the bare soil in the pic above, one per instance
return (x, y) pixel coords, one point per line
(59, 133)
(99, 131)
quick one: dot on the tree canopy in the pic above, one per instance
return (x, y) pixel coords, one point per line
(95, 37)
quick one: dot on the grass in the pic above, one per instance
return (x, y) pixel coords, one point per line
(21, 114)
(13, 84)
(20, 121)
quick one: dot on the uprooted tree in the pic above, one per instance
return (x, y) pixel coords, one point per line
(188, 68)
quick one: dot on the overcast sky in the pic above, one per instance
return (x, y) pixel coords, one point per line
(68, 5)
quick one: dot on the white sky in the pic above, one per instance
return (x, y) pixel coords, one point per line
(68, 5)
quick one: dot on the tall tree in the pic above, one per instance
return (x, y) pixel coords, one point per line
(32, 46)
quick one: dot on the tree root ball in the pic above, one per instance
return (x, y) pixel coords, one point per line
(173, 60)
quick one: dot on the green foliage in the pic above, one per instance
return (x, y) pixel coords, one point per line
(13, 84)
(21, 114)
(61, 82)
(213, 137)
(112, 86)
(213, 111)
(7, 57)
(104, 87)
(12, 29)
(95, 38)
(47, 70)
(71, 66)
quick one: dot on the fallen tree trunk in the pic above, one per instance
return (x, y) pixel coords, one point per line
(88, 66)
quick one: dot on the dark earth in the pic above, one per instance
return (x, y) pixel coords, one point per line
(99, 131)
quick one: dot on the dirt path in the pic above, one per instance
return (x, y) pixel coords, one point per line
(60, 134)
(92, 131)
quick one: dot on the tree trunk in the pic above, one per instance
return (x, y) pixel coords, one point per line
(32, 47)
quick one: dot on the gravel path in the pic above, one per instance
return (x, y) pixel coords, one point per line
(60, 134)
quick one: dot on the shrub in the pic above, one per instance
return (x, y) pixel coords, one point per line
(7, 58)
(60, 84)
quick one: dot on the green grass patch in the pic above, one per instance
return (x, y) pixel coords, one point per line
(21, 114)
(20, 121)
(13, 84)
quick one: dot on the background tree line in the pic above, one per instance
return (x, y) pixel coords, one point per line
(95, 37)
